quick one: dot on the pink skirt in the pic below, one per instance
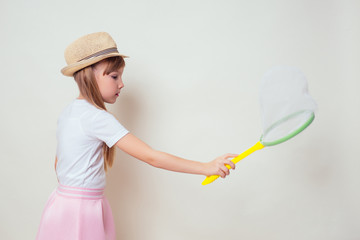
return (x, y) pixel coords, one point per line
(77, 213)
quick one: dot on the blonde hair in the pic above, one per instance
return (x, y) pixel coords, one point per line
(86, 81)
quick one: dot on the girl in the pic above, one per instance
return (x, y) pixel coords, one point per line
(86, 138)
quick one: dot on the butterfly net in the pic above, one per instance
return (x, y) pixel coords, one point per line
(286, 106)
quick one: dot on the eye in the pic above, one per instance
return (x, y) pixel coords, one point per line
(114, 77)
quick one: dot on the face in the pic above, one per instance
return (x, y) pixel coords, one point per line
(109, 84)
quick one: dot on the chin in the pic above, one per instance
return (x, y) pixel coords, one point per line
(110, 101)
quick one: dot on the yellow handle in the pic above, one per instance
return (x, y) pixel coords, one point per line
(235, 160)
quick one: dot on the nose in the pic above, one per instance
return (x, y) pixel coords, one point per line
(121, 84)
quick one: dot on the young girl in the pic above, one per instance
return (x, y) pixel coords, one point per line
(86, 138)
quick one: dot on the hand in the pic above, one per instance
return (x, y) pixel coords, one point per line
(217, 166)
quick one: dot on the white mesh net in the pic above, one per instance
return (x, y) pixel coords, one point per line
(286, 105)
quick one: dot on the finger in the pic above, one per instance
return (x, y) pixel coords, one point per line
(230, 155)
(222, 174)
(225, 169)
(231, 164)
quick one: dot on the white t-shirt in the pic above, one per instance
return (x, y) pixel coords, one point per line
(82, 130)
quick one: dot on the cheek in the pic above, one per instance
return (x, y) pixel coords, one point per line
(102, 85)
(108, 86)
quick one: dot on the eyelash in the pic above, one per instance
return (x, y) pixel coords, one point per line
(114, 77)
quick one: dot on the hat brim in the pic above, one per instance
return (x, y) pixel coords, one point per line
(72, 68)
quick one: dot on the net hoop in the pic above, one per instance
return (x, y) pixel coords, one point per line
(292, 134)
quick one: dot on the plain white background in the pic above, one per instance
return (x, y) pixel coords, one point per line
(191, 89)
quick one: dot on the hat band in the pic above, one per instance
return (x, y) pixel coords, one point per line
(103, 52)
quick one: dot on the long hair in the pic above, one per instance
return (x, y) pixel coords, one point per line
(85, 78)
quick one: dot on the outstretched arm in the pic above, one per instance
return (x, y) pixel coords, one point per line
(140, 150)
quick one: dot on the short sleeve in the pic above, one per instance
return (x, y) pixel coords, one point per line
(105, 127)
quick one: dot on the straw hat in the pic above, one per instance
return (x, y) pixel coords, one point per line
(88, 50)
